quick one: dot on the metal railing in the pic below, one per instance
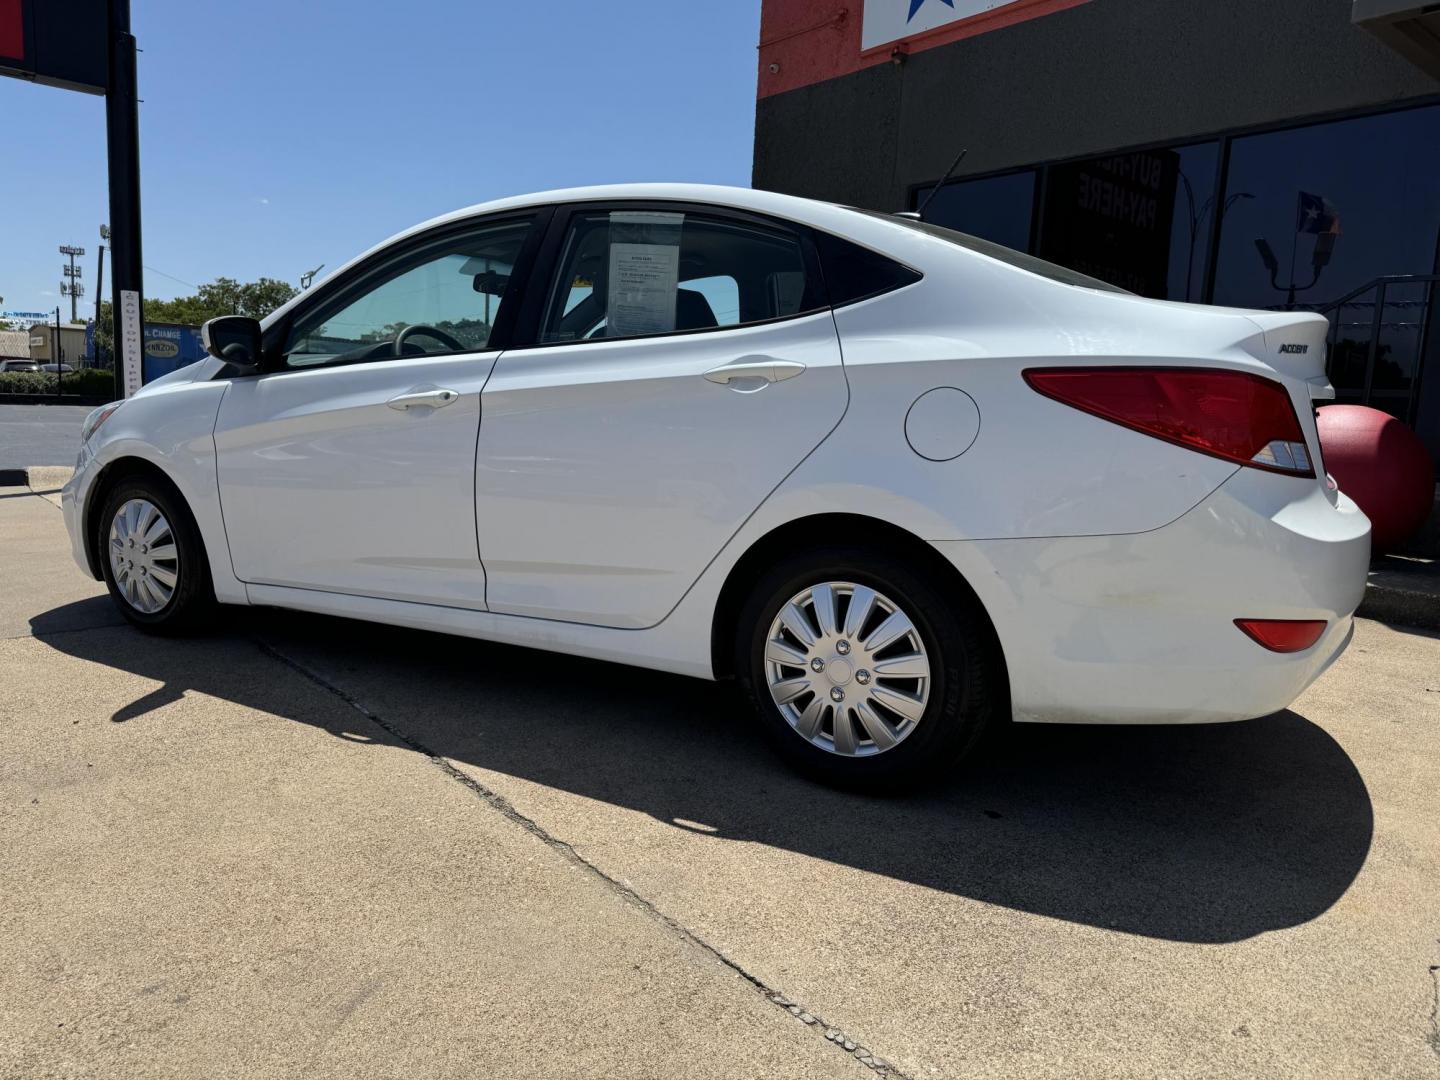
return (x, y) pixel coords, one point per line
(1405, 310)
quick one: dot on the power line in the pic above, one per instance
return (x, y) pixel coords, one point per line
(189, 284)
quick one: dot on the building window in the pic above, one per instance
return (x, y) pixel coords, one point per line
(1332, 209)
(997, 208)
(1137, 220)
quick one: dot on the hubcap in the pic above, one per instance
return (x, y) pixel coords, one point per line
(143, 557)
(847, 669)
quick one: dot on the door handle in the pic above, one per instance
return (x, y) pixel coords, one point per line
(759, 367)
(434, 399)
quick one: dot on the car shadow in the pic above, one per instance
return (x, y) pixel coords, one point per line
(1199, 834)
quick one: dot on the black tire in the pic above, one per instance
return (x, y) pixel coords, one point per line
(966, 690)
(191, 605)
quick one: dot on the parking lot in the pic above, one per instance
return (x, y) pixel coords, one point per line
(307, 847)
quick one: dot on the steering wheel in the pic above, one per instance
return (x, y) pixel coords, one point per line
(427, 331)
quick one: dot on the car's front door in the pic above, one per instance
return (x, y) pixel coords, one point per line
(683, 362)
(349, 465)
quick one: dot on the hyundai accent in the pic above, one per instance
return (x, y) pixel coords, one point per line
(899, 483)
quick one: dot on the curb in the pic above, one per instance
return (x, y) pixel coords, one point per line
(1402, 605)
(38, 478)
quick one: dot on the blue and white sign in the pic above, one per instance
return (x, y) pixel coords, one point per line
(167, 347)
(887, 21)
(23, 320)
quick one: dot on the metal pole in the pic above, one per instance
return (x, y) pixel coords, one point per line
(55, 354)
(99, 292)
(122, 136)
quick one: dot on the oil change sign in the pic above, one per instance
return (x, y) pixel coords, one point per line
(887, 21)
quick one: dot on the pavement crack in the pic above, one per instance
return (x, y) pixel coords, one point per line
(832, 1034)
(1433, 1038)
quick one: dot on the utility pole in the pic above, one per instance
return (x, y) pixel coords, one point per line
(99, 292)
(122, 136)
(56, 355)
(71, 286)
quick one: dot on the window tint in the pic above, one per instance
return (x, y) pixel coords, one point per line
(1003, 254)
(854, 273)
(443, 298)
(633, 273)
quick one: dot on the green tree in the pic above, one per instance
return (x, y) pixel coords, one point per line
(223, 296)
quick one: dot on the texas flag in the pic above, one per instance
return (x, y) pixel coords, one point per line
(1316, 214)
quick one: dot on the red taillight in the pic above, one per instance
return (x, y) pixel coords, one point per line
(1283, 635)
(1233, 415)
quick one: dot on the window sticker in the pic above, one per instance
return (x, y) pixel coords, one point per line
(644, 272)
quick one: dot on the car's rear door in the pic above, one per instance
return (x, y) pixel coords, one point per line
(681, 362)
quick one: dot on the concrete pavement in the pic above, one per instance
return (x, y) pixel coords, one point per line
(310, 847)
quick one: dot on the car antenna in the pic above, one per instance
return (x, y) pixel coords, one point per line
(919, 215)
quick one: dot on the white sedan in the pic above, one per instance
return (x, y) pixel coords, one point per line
(900, 483)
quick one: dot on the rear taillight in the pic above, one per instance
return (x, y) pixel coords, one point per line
(1233, 415)
(1283, 635)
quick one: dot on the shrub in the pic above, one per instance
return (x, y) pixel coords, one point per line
(87, 382)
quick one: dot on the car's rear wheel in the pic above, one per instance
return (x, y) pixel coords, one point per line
(152, 558)
(864, 675)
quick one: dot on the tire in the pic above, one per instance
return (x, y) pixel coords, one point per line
(141, 592)
(949, 710)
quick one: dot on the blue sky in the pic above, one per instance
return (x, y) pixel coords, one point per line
(305, 131)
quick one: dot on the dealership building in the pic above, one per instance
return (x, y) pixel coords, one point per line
(1280, 154)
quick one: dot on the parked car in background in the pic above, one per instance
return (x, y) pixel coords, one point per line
(18, 365)
(64, 369)
(901, 483)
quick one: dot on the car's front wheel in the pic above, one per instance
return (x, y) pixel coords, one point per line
(864, 674)
(153, 559)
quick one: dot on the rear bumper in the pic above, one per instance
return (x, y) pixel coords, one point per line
(1140, 628)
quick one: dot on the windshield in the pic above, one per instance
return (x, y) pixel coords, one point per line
(998, 251)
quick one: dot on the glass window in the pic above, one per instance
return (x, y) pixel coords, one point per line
(996, 251)
(1324, 210)
(633, 273)
(855, 273)
(1193, 221)
(443, 298)
(997, 208)
(1137, 220)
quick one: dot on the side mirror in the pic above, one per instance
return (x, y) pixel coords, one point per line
(234, 339)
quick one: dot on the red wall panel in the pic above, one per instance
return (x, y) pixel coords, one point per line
(12, 29)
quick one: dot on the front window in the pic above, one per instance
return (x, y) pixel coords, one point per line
(442, 298)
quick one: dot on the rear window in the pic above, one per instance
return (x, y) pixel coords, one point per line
(998, 251)
(854, 273)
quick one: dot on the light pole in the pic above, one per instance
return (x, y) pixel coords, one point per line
(99, 292)
(71, 286)
(1197, 216)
